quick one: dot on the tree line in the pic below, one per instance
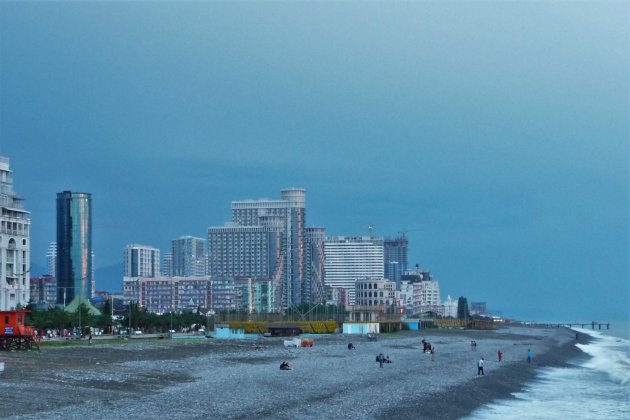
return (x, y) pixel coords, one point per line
(134, 317)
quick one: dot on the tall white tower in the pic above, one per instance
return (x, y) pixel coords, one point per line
(15, 246)
(348, 259)
(51, 259)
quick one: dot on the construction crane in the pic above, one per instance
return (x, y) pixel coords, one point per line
(404, 232)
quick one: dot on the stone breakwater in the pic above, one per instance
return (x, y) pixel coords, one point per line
(233, 379)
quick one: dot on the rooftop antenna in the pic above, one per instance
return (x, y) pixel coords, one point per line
(370, 228)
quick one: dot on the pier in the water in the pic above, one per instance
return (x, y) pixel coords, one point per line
(582, 325)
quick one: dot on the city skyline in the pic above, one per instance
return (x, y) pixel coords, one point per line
(491, 136)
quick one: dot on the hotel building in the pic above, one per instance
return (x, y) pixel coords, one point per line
(348, 259)
(267, 240)
(14, 243)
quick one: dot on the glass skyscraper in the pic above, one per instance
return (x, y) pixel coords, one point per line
(396, 258)
(74, 246)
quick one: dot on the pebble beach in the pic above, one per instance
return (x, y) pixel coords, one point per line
(208, 378)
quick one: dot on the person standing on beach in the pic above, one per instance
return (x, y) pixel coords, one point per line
(480, 367)
(433, 354)
(500, 355)
(529, 356)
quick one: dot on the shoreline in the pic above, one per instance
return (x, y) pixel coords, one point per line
(463, 399)
(231, 379)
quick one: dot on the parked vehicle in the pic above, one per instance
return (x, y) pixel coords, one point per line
(295, 342)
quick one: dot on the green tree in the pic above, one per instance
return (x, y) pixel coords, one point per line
(58, 319)
(138, 316)
(105, 320)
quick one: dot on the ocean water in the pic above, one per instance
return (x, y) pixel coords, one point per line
(596, 386)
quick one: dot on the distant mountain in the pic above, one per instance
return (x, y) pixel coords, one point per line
(37, 270)
(110, 278)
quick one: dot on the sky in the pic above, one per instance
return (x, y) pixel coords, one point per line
(495, 134)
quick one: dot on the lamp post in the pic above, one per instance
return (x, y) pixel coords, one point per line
(80, 296)
(129, 331)
(112, 314)
(170, 332)
(80, 327)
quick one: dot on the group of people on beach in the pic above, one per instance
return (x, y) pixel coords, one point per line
(426, 348)
(380, 358)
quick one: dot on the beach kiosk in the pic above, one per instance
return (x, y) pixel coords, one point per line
(14, 335)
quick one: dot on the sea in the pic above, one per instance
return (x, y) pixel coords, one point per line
(594, 386)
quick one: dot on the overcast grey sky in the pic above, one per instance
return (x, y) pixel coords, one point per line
(496, 132)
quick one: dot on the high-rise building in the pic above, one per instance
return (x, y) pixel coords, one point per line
(429, 290)
(189, 258)
(478, 308)
(396, 259)
(167, 264)
(314, 265)
(142, 261)
(51, 259)
(243, 251)
(267, 240)
(74, 246)
(288, 216)
(348, 259)
(15, 245)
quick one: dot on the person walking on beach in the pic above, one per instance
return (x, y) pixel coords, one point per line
(380, 359)
(480, 367)
(500, 355)
(529, 356)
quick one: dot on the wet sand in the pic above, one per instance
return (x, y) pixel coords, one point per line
(231, 379)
